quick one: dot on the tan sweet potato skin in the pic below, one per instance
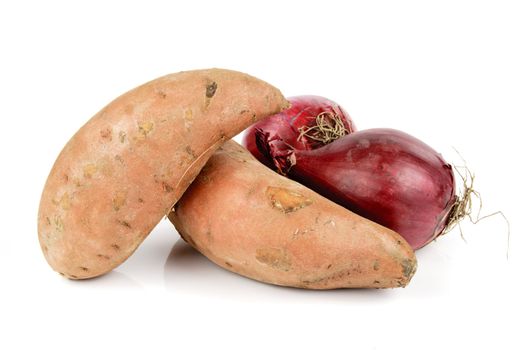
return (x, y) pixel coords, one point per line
(126, 167)
(254, 222)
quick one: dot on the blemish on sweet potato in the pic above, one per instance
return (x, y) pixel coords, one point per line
(145, 128)
(89, 170)
(115, 246)
(330, 222)
(119, 199)
(122, 136)
(274, 257)
(77, 182)
(140, 200)
(188, 118)
(409, 267)
(376, 265)
(48, 220)
(106, 134)
(343, 274)
(124, 223)
(286, 200)
(190, 151)
(162, 94)
(65, 201)
(83, 268)
(210, 89)
(298, 232)
(59, 224)
(66, 178)
(228, 264)
(103, 256)
(119, 159)
(167, 187)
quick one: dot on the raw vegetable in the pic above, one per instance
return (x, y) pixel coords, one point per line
(252, 221)
(126, 167)
(310, 122)
(384, 175)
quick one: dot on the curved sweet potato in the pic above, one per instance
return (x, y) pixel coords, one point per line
(127, 166)
(254, 222)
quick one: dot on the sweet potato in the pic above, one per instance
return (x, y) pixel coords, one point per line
(252, 221)
(127, 166)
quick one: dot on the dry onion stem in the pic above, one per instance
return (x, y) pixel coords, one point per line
(328, 127)
(463, 206)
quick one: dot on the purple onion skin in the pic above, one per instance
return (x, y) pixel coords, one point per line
(286, 126)
(385, 175)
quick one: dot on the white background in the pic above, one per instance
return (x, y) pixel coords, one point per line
(451, 73)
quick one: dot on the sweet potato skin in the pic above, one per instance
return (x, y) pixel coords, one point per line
(254, 222)
(126, 167)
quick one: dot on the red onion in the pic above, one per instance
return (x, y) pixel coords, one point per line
(310, 123)
(384, 175)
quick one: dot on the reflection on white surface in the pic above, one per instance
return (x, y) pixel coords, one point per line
(113, 279)
(189, 272)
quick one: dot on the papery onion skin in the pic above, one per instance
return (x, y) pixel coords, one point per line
(384, 175)
(286, 126)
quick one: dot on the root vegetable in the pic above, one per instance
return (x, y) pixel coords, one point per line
(126, 167)
(254, 222)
